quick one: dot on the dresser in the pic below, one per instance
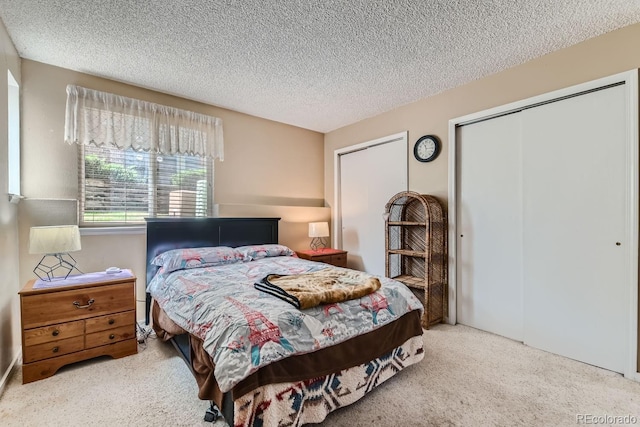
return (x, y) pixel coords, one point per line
(330, 256)
(68, 323)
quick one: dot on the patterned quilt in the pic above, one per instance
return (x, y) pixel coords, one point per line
(244, 329)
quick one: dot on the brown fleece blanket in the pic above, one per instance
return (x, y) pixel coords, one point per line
(326, 286)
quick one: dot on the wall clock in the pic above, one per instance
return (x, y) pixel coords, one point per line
(427, 148)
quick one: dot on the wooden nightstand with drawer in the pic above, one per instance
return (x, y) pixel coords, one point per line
(330, 256)
(69, 323)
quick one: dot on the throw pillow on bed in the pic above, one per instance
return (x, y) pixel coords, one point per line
(253, 252)
(180, 259)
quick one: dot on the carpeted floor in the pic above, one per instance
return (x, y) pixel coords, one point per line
(468, 378)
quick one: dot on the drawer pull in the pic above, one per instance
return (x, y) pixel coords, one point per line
(55, 333)
(112, 336)
(112, 321)
(89, 303)
(55, 349)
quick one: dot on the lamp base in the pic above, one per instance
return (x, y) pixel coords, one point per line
(53, 262)
(318, 243)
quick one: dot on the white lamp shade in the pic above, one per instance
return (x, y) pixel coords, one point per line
(54, 240)
(318, 229)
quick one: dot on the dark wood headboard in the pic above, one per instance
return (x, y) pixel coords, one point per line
(164, 234)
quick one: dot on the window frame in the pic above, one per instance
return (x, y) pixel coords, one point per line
(113, 227)
(13, 138)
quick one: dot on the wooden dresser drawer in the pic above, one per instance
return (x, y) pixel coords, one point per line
(52, 349)
(329, 256)
(50, 308)
(110, 336)
(53, 333)
(110, 321)
(339, 260)
(322, 258)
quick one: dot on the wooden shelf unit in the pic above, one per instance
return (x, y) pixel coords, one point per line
(407, 252)
(416, 249)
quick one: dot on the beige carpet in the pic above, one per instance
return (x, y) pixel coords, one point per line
(468, 378)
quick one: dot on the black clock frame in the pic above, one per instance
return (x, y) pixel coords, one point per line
(433, 156)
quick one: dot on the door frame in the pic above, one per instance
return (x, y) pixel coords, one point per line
(336, 240)
(630, 80)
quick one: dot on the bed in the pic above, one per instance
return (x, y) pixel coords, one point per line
(279, 376)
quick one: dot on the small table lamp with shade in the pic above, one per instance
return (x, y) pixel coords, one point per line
(55, 242)
(318, 231)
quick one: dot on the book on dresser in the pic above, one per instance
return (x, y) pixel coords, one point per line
(78, 318)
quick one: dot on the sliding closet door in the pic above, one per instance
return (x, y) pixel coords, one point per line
(489, 225)
(368, 179)
(353, 205)
(388, 163)
(575, 180)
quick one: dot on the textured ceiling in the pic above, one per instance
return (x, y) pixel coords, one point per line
(315, 64)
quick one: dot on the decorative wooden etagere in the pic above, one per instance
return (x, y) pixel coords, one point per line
(416, 249)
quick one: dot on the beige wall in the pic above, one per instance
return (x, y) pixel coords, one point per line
(268, 168)
(9, 282)
(609, 54)
(602, 56)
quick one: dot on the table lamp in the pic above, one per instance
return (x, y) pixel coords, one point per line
(318, 231)
(55, 243)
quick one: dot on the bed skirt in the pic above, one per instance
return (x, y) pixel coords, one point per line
(310, 401)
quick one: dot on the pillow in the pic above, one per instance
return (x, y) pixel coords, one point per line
(253, 252)
(179, 259)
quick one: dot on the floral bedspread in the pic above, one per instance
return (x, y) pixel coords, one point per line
(243, 329)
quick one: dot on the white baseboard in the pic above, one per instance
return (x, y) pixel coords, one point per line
(7, 373)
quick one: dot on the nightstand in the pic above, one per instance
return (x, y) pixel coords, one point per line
(330, 256)
(79, 318)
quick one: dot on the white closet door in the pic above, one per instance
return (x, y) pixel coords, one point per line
(574, 185)
(390, 168)
(353, 205)
(489, 224)
(368, 179)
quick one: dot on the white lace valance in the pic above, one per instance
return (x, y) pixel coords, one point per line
(101, 118)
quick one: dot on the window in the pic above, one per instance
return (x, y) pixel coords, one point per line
(14, 134)
(120, 187)
(138, 159)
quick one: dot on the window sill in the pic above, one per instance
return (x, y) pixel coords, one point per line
(102, 231)
(15, 198)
